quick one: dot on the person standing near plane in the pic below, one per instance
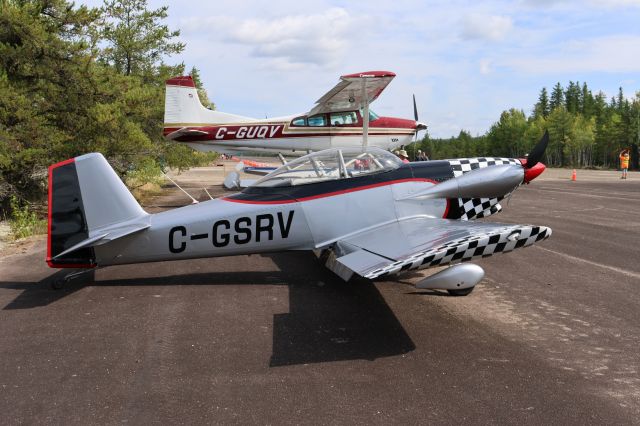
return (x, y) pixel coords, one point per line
(624, 162)
(422, 156)
(403, 156)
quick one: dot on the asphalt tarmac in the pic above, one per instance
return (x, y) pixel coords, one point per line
(550, 336)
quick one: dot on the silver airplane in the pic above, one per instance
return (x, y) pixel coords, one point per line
(361, 210)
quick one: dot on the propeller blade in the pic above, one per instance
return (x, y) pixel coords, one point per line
(538, 151)
(415, 108)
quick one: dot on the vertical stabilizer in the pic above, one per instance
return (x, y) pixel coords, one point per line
(182, 107)
(85, 197)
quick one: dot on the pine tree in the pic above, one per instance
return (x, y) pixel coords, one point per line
(587, 102)
(557, 97)
(620, 101)
(541, 108)
(57, 101)
(572, 97)
(560, 123)
(136, 39)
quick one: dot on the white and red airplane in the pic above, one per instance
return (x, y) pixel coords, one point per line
(340, 118)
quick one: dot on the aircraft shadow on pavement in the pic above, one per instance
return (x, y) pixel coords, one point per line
(328, 320)
(36, 294)
(39, 293)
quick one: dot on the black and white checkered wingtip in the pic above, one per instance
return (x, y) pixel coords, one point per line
(472, 247)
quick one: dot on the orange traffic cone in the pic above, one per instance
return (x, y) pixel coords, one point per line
(573, 175)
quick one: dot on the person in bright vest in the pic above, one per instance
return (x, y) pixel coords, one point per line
(624, 162)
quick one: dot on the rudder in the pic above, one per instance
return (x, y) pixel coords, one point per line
(183, 109)
(86, 197)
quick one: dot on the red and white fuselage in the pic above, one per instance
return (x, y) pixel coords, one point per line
(333, 122)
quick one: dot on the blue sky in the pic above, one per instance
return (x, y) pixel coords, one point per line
(466, 62)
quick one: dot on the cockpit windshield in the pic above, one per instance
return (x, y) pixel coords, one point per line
(372, 115)
(331, 164)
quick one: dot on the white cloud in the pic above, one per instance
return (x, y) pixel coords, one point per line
(611, 54)
(486, 27)
(289, 42)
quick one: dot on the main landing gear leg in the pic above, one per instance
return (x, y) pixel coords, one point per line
(60, 282)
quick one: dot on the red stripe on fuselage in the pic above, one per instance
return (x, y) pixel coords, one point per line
(228, 134)
(334, 193)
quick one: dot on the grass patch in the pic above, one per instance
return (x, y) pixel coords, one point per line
(24, 222)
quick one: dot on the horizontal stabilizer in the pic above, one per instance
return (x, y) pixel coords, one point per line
(185, 131)
(103, 238)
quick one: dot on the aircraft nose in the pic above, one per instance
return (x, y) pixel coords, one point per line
(533, 172)
(420, 126)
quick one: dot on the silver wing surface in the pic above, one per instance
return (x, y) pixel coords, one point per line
(418, 243)
(352, 90)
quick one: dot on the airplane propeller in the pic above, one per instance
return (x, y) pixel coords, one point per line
(538, 151)
(532, 165)
(419, 125)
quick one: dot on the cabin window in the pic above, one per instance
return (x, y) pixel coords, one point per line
(300, 121)
(317, 120)
(343, 118)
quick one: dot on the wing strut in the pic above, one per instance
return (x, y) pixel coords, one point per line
(365, 114)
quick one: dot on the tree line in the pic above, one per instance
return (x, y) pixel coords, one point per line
(74, 80)
(585, 130)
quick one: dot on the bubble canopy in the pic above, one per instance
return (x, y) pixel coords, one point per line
(331, 164)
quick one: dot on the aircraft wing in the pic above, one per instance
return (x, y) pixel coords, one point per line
(418, 243)
(348, 94)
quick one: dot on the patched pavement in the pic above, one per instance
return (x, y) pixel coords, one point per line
(551, 335)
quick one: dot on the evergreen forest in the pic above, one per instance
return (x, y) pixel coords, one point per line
(585, 130)
(75, 79)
